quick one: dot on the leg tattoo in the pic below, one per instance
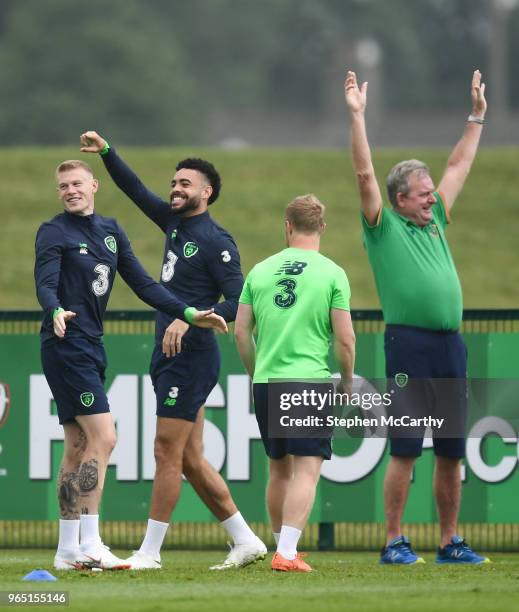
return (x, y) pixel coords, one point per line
(81, 442)
(68, 493)
(88, 477)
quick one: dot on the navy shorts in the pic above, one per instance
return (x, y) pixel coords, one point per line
(75, 370)
(277, 448)
(421, 353)
(182, 383)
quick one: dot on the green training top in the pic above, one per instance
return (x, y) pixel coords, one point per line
(416, 279)
(291, 294)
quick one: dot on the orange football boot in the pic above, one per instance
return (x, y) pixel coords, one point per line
(280, 564)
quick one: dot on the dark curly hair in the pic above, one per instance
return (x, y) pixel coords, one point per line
(208, 170)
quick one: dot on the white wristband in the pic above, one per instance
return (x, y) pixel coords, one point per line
(474, 119)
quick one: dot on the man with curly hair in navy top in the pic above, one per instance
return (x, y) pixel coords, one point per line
(201, 263)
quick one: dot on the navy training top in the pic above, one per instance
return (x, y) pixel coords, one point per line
(76, 261)
(201, 260)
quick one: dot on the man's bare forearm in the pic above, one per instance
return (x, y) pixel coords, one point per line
(466, 148)
(370, 197)
(360, 151)
(356, 100)
(345, 355)
(460, 163)
(247, 351)
(463, 154)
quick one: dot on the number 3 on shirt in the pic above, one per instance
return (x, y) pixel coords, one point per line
(287, 297)
(168, 269)
(101, 283)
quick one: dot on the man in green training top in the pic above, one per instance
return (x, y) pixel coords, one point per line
(295, 299)
(421, 298)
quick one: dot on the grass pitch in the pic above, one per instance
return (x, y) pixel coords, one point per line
(341, 581)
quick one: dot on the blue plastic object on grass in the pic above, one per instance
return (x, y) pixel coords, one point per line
(39, 575)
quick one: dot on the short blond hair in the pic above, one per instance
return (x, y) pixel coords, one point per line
(306, 214)
(72, 164)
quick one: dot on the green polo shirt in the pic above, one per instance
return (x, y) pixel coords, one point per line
(291, 294)
(416, 279)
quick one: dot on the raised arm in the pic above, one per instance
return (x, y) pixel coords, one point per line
(461, 158)
(370, 197)
(124, 177)
(245, 344)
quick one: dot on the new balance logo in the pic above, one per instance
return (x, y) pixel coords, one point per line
(457, 554)
(292, 267)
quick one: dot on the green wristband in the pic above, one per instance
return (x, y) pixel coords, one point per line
(189, 314)
(105, 149)
(56, 312)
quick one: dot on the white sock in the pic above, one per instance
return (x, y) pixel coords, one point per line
(68, 535)
(288, 539)
(90, 537)
(276, 537)
(238, 529)
(155, 534)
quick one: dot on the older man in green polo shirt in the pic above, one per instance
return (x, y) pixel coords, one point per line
(421, 298)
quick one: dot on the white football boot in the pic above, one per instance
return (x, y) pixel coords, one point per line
(100, 556)
(65, 560)
(142, 561)
(242, 555)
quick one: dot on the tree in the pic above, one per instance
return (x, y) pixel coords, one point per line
(67, 66)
